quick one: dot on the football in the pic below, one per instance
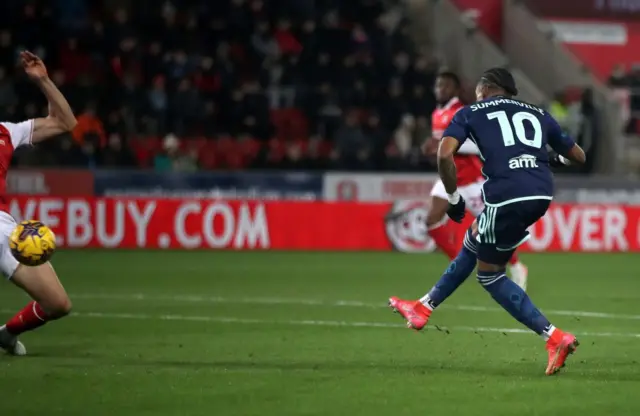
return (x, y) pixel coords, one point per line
(32, 243)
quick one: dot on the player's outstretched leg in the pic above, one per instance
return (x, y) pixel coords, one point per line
(515, 301)
(417, 312)
(50, 302)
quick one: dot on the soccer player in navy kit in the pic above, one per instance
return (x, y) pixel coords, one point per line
(512, 137)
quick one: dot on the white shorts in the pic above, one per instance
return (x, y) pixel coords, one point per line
(472, 194)
(8, 263)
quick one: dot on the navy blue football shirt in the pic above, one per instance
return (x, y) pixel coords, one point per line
(512, 137)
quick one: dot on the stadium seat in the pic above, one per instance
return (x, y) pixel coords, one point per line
(208, 160)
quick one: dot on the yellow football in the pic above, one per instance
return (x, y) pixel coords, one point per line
(32, 243)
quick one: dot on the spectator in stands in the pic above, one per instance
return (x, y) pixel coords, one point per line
(422, 133)
(74, 60)
(633, 80)
(116, 155)
(618, 77)
(255, 110)
(287, 42)
(7, 49)
(89, 124)
(71, 154)
(158, 102)
(263, 42)
(394, 104)
(294, 157)
(317, 150)
(352, 149)
(403, 151)
(589, 129)
(226, 68)
(163, 162)
(379, 137)
(558, 109)
(8, 95)
(173, 159)
(91, 150)
(72, 15)
(186, 108)
(187, 162)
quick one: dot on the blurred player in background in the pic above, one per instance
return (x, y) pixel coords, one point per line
(50, 300)
(513, 137)
(444, 233)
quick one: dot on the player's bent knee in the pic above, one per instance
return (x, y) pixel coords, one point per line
(58, 308)
(43, 285)
(57, 305)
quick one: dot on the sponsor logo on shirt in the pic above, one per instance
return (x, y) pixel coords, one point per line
(523, 162)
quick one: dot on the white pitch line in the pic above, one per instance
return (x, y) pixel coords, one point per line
(317, 302)
(321, 323)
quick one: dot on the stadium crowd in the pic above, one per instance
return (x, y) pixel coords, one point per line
(625, 83)
(229, 84)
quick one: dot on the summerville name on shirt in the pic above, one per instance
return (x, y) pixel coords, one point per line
(495, 103)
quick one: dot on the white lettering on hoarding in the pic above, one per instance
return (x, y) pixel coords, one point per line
(222, 239)
(614, 230)
(116, 237)
(566, 227)
(180, 219)
(542, 234)
(14, 210)
(254, 231)
(588, 228)
(49, 211)
(141, 219)
(112, 223)
(237, 229)
(79, 229)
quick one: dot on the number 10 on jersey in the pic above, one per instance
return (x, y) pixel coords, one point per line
(516, 125)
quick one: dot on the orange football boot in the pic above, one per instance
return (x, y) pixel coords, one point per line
(413, 311)
(559, 346)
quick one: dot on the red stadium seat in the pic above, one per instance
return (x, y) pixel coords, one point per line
(145, 148)
(275, 150)
(249, 148)
(208, 160)
(234, 161)
(199, 143)
(225, 146)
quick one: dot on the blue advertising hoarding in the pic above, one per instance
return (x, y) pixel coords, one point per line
(230, 185)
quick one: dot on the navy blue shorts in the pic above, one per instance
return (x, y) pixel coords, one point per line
(501, 229)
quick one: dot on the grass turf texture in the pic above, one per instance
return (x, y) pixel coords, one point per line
(202, 333)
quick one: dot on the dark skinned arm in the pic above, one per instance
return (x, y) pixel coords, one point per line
(447, 167)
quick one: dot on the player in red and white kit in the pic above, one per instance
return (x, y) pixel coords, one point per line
(469, 167)
(50, 300)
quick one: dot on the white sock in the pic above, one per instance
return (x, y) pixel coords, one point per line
(426, 301)
(546, 334)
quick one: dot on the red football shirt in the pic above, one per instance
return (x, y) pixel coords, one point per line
(469, 167)
(12, 136)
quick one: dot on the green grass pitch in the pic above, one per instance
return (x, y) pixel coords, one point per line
(220, 333)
